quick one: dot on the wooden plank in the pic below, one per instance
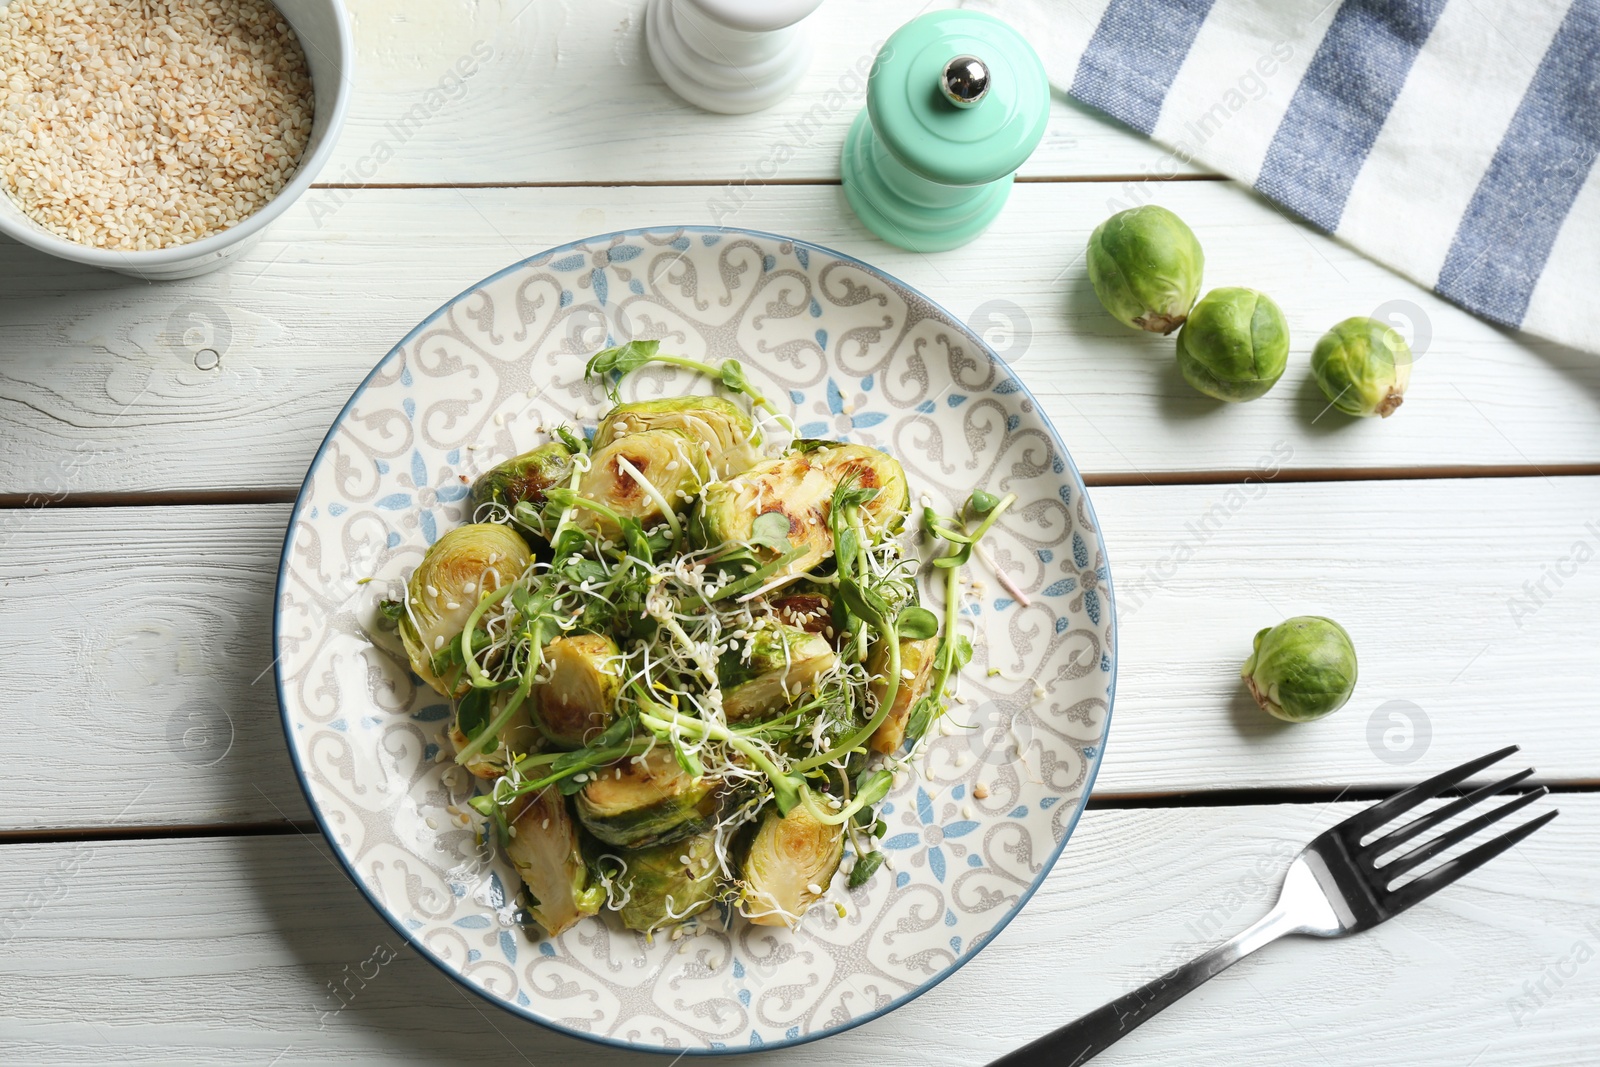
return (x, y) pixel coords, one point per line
(457, 91)
(102, 389)
(146, 635)
(230, 951)
(143, 634)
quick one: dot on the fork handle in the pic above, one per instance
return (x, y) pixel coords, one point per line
(1091, 1034)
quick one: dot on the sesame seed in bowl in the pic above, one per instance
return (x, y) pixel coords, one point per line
(159, 137)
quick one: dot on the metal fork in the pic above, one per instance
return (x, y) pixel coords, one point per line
(1334, 887)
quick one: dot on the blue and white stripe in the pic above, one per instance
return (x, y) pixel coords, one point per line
(1454, 140)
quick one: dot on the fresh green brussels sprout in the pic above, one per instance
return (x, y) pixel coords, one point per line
(1363, 367)
(579, 697)
(523, 478)
(1145, 266)
(646, 800)
(727, 432)
(1301, 669)
(673, 463)
(545, 849)
(800, 486)
(458, 569)
(788, 866)
(1235, 345)
(518, 738)
(916, 670)
(665, 884)
(766, 672)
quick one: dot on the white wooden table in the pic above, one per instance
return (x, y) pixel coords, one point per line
(165, 897)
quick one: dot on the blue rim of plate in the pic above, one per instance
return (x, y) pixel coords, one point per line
(526, 1013)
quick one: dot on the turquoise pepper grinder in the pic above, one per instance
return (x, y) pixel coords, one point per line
(955, 102)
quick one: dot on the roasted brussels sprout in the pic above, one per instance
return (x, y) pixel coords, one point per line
(727, 432)
(646, 800)
(916, 668)
(519, 737)
(1235, 345)
(1301, 669)
(579, 698)
(544, 848)
(800, 487)
(1145, 266)
(1363, 367)
(666, 883)
(870, 469)
(523, 478)
(767, 671)
(672, 463)
(788, 866)
(456, 571)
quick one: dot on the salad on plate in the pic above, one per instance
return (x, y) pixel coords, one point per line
(688, 654)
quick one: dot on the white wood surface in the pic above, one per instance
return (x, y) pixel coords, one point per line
(146, 632)
(100, 364)
(227, 950)
(563, 92)
(136, 635)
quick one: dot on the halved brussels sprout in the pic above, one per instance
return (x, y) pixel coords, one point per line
(766, 672)
(544, 848)
(672, 462)
(728, 433)
(646, 800)
(800, 487)
(456, 571)
(871, 469)
(667, 883)
(580, 697)
(916, 669)
(791, 860)
(523, 478)
(518, 738)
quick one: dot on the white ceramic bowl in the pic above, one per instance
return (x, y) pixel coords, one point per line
(324, 32)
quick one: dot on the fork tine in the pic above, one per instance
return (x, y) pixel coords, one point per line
(1423, 823)
(1423, 853)
(1363, 822)
(1445, 873)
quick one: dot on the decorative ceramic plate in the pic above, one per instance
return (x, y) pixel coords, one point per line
(861, 357)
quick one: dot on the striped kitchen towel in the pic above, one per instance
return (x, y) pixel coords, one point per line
(1453, 140)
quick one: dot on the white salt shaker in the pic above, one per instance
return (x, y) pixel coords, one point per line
(730, 56)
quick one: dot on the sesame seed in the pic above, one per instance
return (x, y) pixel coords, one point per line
(143, 126)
